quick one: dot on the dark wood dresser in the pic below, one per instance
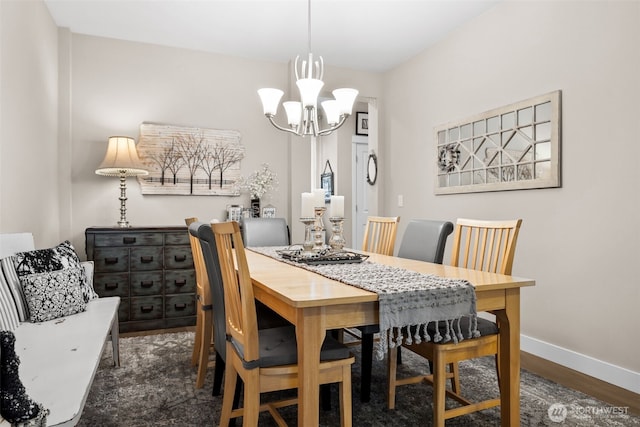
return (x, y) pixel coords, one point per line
(150, 269)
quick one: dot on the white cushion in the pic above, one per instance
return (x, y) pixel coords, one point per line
(9, 319)
(11, 277)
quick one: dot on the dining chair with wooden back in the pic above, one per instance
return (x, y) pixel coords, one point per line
(379, 237)
(479, 245)
(203, 342)
(265, 359)
(380, 234)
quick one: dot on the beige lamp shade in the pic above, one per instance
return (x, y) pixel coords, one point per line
(121, 158)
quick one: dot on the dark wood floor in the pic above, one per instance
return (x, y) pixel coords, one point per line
(601, 390)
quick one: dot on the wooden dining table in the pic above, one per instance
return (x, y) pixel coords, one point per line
(316, 304)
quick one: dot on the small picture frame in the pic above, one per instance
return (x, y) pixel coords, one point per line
(234, 212)
(326, 182)
(362, 123)
(268, 211)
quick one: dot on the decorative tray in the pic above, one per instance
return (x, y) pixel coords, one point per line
(326, 256)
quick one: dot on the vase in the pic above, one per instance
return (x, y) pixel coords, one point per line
(255, 207)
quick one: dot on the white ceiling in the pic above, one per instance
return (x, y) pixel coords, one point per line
(373, 35)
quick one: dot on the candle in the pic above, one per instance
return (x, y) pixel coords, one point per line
(318, 197)
(337, 206)
(306, 210)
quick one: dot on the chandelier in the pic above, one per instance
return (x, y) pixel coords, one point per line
(302, 116)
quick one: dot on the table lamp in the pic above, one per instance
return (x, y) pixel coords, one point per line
(121, 160)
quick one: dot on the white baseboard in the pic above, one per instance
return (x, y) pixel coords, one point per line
(587, 365)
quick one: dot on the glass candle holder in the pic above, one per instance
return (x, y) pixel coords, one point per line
(318, 228)
(337, 240)
(307, 246)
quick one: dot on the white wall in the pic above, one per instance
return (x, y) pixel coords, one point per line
(117, 85)
(580, 242)
(28, 121)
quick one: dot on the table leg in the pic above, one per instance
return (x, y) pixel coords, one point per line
(310, 333)
(509, 359)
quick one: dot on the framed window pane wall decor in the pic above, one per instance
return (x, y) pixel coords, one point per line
(515, 147)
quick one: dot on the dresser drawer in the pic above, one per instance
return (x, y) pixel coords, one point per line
(179, 305)
(111, 284)
(146, 258)
(146, 308)
(146, 283)
(128, 239)
(181, 238)
(111, 259)
(179, 281)
(176, 257)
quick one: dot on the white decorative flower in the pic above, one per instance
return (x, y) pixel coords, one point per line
(259, 182)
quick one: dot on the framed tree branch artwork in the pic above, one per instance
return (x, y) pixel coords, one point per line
(190, 161)
(515, 147)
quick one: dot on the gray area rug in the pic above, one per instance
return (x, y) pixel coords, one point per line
(155, 387)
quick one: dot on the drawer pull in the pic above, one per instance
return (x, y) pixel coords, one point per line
(146, 308)
(111, 286)
(111, 260)
(146, 283)
(128, 240)
(180, 306)
(180, 258)
(180, 282)
(146, 259)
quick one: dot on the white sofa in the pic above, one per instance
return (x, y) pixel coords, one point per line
(59, 358)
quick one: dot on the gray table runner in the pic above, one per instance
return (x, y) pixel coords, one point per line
(406, 298)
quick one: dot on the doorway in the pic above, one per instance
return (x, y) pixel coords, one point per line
(360, 207)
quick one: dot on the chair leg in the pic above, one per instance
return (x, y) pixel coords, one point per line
(251, 402)
(236, 400)
(344, 388)
(325, 396)
(206, 330)
(392, 369)
(497, 370)
(455, 381)
(198, 337)
(230, 381)
(439, 393)
(367, 358)
(218, 373)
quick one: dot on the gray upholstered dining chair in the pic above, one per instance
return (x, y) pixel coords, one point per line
(265, 232)
(423, 240)
(267, 318)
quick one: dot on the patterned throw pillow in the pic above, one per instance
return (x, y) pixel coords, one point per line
(54, 294)
(57, 258)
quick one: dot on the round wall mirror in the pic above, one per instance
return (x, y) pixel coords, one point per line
(372, 169)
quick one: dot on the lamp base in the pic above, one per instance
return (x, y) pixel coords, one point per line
(123, 223)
